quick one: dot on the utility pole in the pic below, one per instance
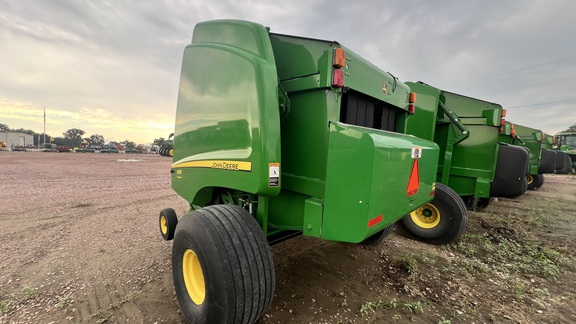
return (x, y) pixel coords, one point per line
(44, 125)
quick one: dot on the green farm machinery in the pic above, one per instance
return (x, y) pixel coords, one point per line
(531, 139)
(473, 161)
(566, 143)
(278, 136)
(553, 159)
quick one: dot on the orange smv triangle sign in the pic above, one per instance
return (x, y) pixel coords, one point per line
(414, 181)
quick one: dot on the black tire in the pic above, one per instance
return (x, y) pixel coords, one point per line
(379, 236)
(441, 221)
(223, 253)
(535, 181)
(168, 221)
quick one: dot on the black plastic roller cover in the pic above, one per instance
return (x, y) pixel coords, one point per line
(547, 161)
(511, 170)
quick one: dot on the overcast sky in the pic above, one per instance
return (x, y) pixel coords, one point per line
(112, 67)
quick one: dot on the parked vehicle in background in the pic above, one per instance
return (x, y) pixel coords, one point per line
(566, 143)
(49, 147)
(63, 148)
(472, 162)
(531, 139)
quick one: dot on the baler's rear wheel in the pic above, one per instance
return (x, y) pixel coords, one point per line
(168, 221)
(379, 236)
(222, 266)
(440, 221)
(529, 180)
(535, 181)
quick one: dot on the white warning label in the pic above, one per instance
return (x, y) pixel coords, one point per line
(416, 153)
(274, 174)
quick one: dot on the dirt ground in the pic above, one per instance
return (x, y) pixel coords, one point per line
(80, 244)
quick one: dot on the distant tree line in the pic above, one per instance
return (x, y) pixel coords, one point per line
(74, 137)
(571, 128)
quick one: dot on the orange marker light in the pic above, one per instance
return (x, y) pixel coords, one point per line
(339, 60)
(503, 113)
(412, 103)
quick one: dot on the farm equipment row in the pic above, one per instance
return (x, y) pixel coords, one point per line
(278, 136)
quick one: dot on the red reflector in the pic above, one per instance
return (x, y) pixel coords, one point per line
(337, 78)
(411, 109)
(374, 221)
(414, 181)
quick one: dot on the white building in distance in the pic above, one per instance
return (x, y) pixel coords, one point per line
(16, 139)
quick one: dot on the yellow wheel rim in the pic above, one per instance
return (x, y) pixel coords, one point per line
(163, 226)
(193, 277)
(171, 152)
(530, 179)
(427, 216)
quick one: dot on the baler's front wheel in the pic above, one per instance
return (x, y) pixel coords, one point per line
(222, 266)
(168, 221)
(440, 221)
(379, 236)
(535, 181)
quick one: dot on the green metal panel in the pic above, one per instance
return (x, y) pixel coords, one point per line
(489, 113)
(468, 153)
(313, 211)
(530, 138)
(423, 123)
(227, 117)
(548, 142)
(305, 136)
(367, 179)
(311, 60)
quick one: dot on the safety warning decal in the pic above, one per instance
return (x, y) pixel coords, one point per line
(416, 153)
(274, 175)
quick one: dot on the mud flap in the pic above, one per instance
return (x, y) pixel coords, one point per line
(511, 170)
